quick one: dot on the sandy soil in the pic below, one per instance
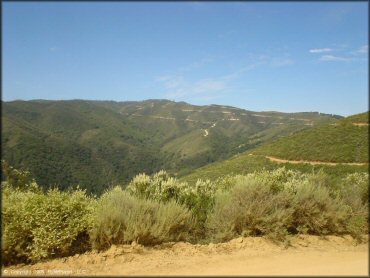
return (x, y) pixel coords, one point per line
(306, 255)
(279, 160)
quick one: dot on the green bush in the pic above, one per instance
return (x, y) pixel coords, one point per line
(38, 225)
(354, 191)
(122, 218)
(279, 179)
(250, 208)
(226, 183)
(159, 208)
(317, 212)
(327, 205)
(161, 187)
(16, 178)
(274, 203)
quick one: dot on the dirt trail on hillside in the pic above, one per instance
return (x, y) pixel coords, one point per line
(355, 124)
(360, 124)
(306, 255)
(280, 160)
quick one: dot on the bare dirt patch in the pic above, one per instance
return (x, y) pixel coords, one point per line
(306, 255)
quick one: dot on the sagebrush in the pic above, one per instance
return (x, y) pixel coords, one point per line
(37, 225)
(121, 218)
(159, 208)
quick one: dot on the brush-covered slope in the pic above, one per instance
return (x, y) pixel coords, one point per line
(346, 141)
(99, 143)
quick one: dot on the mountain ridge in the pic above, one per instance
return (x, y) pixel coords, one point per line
(173, 101)
(97, 143)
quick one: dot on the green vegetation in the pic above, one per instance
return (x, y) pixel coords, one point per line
(159, 208)
(343, 142)
(74, 142)
(244, 163)
(16, 178)
(358, 118)
(250, 209)
(37, 225)
(121, 218)
(163, 188)
(280, 202)
(98, 144)
(104, 146)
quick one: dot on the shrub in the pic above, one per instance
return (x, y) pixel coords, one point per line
(226, 183)
(121, 218)
(276, 202)
(159, 208)
(17, 178)
(161, 187)
(250, 208)
(317, 212)
(280, 179)
(354, 190)
(199, 199)
(37, 225)
(16, 238)
(324, 207)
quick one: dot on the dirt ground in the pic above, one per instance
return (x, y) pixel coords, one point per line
(306, 255)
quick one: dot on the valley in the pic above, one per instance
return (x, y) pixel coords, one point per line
(100, 143)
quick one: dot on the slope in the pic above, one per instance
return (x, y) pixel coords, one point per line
(344, 141)
(335, 145)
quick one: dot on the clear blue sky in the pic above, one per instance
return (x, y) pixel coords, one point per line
(283, 56)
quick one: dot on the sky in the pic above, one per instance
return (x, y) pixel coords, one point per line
(268, 56)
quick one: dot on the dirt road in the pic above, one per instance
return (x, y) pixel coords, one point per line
(306, 255)
(280, 160)
(361, 124)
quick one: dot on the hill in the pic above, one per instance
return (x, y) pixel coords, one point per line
(100, 143)
(336, 148)
(345, 141)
